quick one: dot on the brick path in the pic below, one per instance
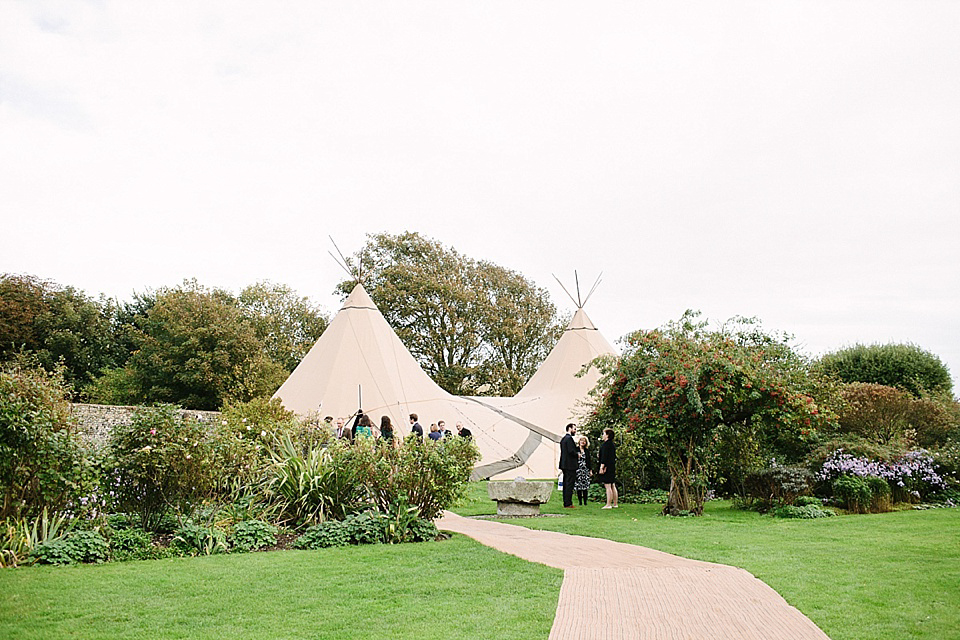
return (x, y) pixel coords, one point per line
(612, 590)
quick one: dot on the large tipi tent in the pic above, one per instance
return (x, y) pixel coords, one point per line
(359, 362)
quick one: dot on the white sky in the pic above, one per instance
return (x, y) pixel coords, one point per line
(796, 161)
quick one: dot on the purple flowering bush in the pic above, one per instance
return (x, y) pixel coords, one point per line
(911, 477)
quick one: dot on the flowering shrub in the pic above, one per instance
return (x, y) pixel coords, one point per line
(911, 477)
(41, 462)
(160, 461)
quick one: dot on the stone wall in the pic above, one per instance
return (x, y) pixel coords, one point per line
(95, 422)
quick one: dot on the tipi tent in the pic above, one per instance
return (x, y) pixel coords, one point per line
(359, 362)
(554, 395)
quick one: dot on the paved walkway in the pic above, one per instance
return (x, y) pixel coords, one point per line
(612, 590)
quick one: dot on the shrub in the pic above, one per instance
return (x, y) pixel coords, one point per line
(879, 494)
(130, 544)
(911, 476)
(74, 547)
(161, 460)
(194, 539)
(805, 501)
(431, 476)
(324, 484)
(332, 533)
(905, 366)
(41, 462)
(252, 535)
(853, 492)
(885, 414)
(805, 512)
(365, 528)
(423, 530)
(777, 485)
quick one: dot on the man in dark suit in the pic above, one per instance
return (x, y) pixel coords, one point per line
(417, 429)
(568, 464)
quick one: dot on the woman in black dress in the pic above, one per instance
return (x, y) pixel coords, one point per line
(582, 484)
(608, 468)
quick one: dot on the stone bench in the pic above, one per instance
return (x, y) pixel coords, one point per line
(519, 497)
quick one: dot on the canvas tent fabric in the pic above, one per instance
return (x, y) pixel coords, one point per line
(556, 394)
(359, 362)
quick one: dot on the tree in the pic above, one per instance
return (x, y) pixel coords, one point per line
(195, 348)
(288, 325)
(58, 325)
(905, 366)
(886, 415)
(688, 388)
(472, 325)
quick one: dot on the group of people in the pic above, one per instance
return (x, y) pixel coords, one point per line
(577, 470)
(364, 427)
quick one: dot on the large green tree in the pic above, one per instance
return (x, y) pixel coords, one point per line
(688, 388)
(286, 323)
(905, 366)
(58, 325)
(197, 349)
(475, 327)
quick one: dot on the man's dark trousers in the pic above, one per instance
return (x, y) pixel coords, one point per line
(569, 479)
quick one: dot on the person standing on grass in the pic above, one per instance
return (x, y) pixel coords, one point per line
(608, 467)
(582, 484)
(568, 464)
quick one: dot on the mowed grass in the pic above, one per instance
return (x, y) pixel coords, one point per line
(448, 589)
(893, 575)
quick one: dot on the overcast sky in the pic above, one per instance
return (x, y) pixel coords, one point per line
(795, 161)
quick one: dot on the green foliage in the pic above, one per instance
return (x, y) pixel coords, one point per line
(320, 485)
(160, 461)
(805, 501)
(905, 366)
(365, 528)
(130, 544)
(195, 539)
(880, 494)
(58, 326)
(195, 348)
(805, 512)
(41, 461)
(252, 535)
(853, 492)
(343, 478)
(21, 536)
(241, 441)
(430, 476)
(423, 530)
(331, 533)
(683, 386)
(889, 415)
(777, 485)
(288, 325)
(74, 547)
(473, 326)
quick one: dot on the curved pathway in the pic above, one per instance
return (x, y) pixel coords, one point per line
(614, 590)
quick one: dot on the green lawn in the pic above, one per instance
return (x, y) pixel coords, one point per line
(893, 575)
(454, 588)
